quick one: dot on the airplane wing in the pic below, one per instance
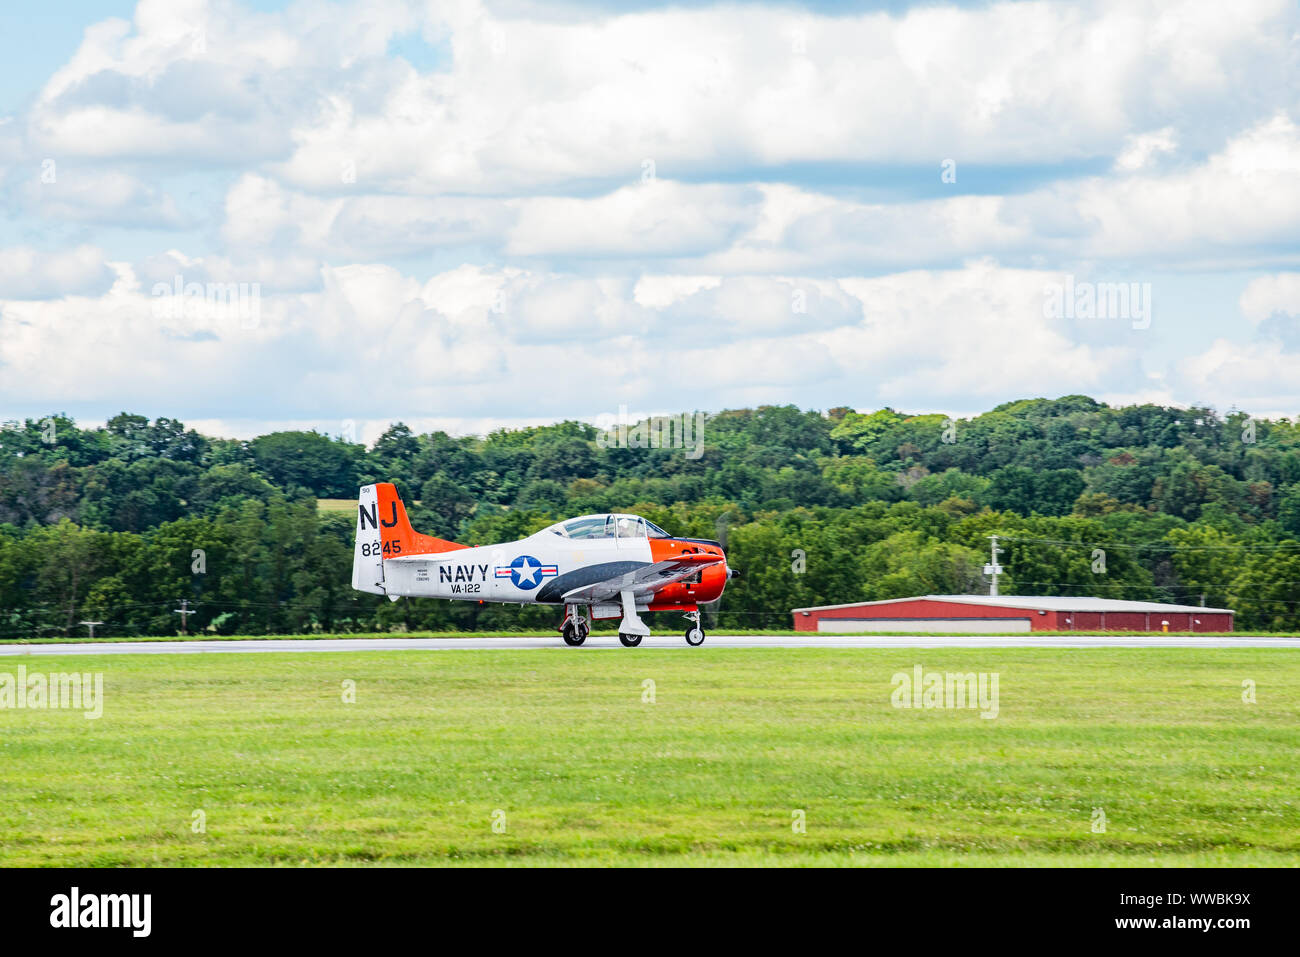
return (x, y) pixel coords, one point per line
(644, 580)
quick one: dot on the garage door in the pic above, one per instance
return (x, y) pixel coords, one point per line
(961, 626)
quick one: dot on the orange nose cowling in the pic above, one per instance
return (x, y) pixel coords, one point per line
(713, 578)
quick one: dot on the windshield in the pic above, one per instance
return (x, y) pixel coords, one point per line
(630, 526)
(608, 526)
(595, 526)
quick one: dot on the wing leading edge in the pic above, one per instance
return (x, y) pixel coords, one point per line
(646, 579)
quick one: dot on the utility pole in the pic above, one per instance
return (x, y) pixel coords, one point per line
(184, 612)
(91, 625)
(993, 569)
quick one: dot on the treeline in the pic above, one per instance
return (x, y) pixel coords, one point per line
(121, 524)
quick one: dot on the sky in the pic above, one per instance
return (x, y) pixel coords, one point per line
(466, 215)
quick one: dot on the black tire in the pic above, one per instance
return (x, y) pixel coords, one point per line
(574, 636)
(629, 641)
(694, 630)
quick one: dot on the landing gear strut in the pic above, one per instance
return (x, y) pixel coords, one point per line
(632, 629)
(576, 627)
(694, 632)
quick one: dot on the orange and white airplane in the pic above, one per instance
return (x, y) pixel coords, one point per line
(595, 566)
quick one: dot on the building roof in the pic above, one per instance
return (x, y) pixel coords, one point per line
(1035, 602)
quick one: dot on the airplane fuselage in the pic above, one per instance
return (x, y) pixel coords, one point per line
(536, 569)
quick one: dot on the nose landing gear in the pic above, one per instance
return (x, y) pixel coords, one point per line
(694, 632)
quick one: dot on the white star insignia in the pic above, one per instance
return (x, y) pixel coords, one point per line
(528, 574)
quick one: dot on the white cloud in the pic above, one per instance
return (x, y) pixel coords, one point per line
(82, 194)
(260, 213)
(527, 103)
(766, 260)
(648, 220)
(1241, 198)
(1270, 295)
(208, 81)
(1141, 149)
(288, 272)
(1255, 376)
(656, 292)
(977, 332)
(1245, 194)
(552, 345)
(28, 273)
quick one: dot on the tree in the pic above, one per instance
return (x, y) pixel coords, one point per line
(448, 503)
(67, 561)
(137, 496)
(224, 485)
(328, 467)
(1288, 510)
(1013, 489)
(1135, 502)
(1266, 591)
(1027, 492)
(563, 459)
(909, 563)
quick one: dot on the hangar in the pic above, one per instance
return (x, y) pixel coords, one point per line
(976, 614)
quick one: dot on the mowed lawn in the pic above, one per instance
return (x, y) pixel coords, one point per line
(561, 751)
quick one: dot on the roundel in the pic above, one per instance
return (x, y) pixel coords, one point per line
(527, 572)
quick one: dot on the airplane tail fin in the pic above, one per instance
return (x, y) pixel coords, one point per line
(384, 531)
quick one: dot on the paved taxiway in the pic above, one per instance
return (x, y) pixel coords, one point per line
(655, 642)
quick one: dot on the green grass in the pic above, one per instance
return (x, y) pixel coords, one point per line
(710, 773)
(335, 504)
(342, 504)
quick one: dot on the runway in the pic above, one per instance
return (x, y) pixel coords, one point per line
(610, 643)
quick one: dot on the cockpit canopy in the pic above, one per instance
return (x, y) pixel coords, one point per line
(612, 525)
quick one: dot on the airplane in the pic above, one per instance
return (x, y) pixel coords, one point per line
(597, 567)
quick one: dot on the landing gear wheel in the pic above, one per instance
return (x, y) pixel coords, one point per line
(629, 641)
(574, 634)
(695, 635)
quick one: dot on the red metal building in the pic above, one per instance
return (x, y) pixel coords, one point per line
(975, 614)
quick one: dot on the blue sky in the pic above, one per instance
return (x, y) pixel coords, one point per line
(466, 214)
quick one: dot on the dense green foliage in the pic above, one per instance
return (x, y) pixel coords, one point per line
(119, 524)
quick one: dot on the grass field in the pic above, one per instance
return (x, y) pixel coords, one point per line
(335, 504)
(611, 628)
(582, 770)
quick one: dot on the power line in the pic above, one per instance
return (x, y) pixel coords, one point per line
(1153, 546)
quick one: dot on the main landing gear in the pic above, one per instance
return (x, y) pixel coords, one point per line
(576, 628)
(632, 629)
